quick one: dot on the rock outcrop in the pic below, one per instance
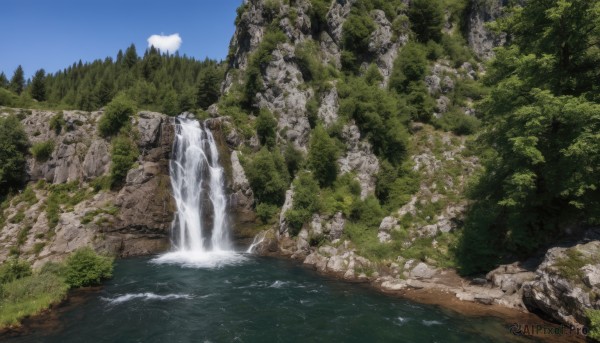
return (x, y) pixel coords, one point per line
(65, 206)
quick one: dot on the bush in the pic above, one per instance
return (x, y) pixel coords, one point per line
(356, 32)
(410, 65)
(293, 159)
(13, 148)
(367, 212)
(322, 156)
(42, 151)
(13, 269)
(594, 318)
(427, 19)
(86, 268)
(124, 153)
(266, 125)
(57, 122)
(306, 202)
(265, 212)
(268, 177)
(116, 115)
(458, 122)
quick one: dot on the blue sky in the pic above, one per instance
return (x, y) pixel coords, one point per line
(54, 34)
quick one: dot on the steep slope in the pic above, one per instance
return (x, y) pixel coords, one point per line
(65, 206)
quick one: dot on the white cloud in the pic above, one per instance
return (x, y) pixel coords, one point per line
(170, 43)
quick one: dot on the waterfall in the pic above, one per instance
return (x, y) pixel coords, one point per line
(200, 228)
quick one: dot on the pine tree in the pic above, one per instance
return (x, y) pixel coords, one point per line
(131, 57)
(38, 85)
(209, 86)
(17, 82)
(3, 80)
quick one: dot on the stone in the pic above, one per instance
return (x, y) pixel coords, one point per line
(423, 271)
(149, 124)
(336, 226)
(591, 275)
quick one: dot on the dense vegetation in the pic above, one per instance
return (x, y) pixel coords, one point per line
(24, 292)
(541, 134)
(168, 83)
(13, 148)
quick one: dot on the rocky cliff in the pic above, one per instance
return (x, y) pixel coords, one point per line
(411, 248)
(64, 206)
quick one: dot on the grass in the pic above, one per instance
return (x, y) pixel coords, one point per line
(89, 216)
(42, 150)
(67, 195)
(570, 266)
(29, 296)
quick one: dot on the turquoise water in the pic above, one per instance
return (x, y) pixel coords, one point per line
(252, 300)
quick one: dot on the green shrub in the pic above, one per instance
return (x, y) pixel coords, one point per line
(594, 319)
(42, 151)
(318, 14)
(306, 202)
(268, 176)
(116, 115)
(427, 19)
(356, 32)
(266, 125)
(322, 156)
(18, 217)
(13, 148)
(57, 122)
(13, 269)
(312, 111)
(372, 76)
(367, 212)
(8, 98)
(410, 66)
(265, 212)
(86, 268)
(458, 122)
(124, 153)
(293, 159)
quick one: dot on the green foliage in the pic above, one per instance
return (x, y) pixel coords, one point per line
(268, 176)
(570, 266)
(322, 156)
(8, 98)
(124, 153)
(257, 63)
(209, 85)
(265, 212)
(29, 295)
(57, 122)
(13, 148)
(594, 320)
(68, 194)
(17, 82)
(378, 115)
(37, 88)
(373, 76)
(116, 115)
(86, 268)
(459, 123)
(541, 127)
(293, 159)
(427, 19)
(266, 125)
(13, 269)
(367, 212)
(318, 14)
(457, 49)
(356, 32)
(42, 151)
(410, 66)
(312, 112)
(306, 202)
(340, 197)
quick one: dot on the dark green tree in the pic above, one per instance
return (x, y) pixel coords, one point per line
(38, 85)
(17, 82)
(268, 176)
(266, 125)
(322, 156)
(209, 86)
(427, 19)
(131, 57)
(13, 149)
(541, 128)
(3, 80)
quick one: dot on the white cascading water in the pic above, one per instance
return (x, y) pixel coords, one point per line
(197, 179)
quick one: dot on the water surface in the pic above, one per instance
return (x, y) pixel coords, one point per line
(252, 299)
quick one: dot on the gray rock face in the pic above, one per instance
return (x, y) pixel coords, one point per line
(565, 297)
(335, 227)
(423, 271)
(359, 159)
(482, 40)
(284, 97)
(242, 197)
(328, 112)
(126, 222)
